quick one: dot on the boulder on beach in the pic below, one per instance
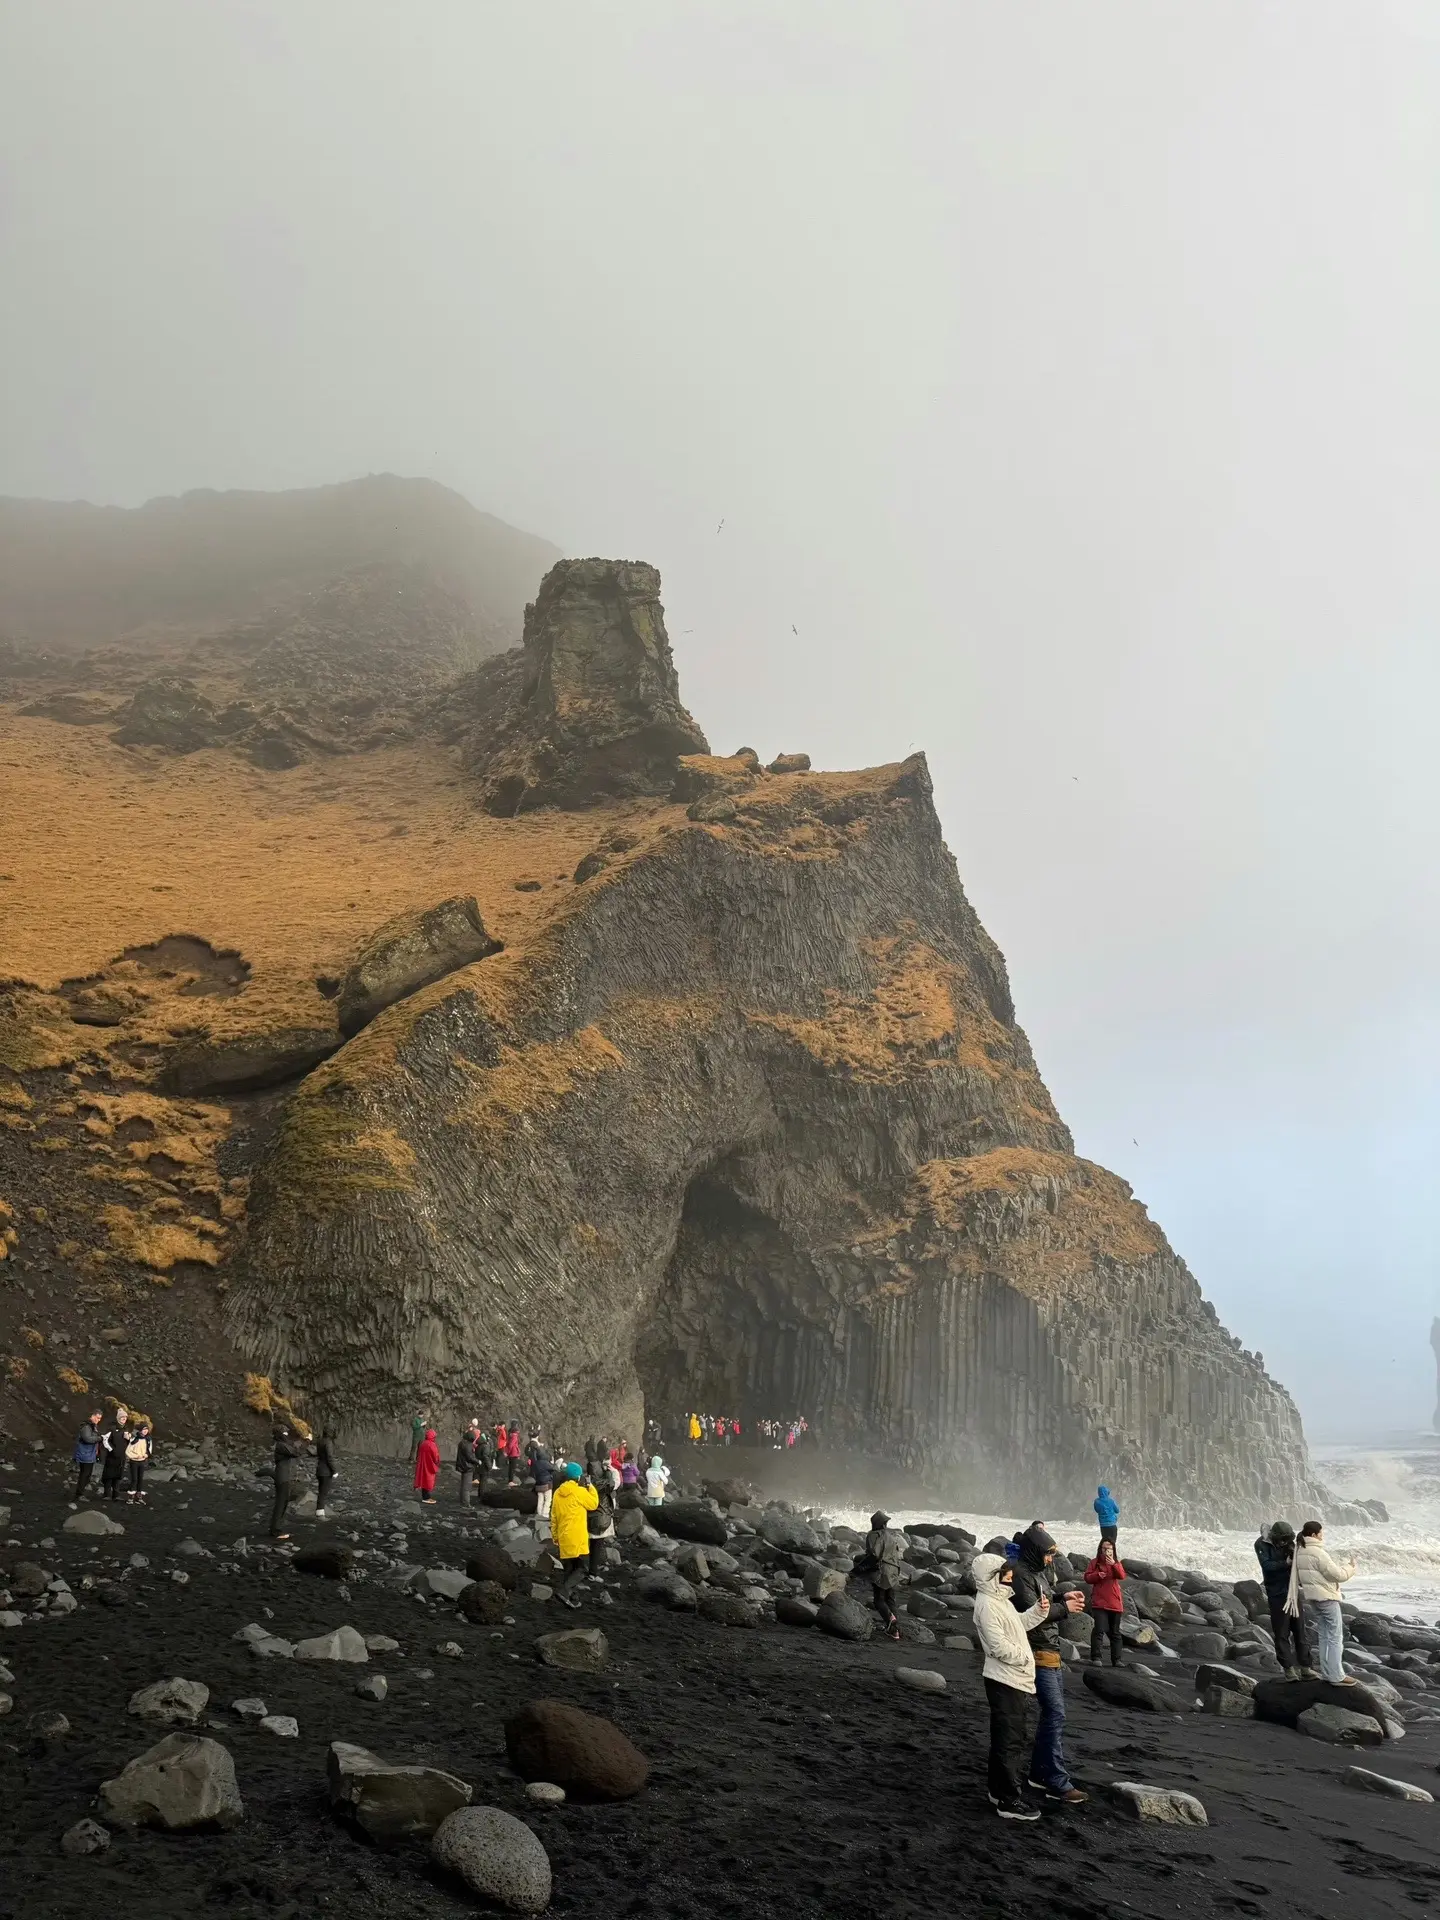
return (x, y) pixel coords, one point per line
(92, 1521)
(170, 1703)
(183, 1783)
(390, 1802)
(590, 1757)
(726, 1493)
(490, 1561)
(483, 1603)
(496, 1493)
(726, 1609)
(497, 1856)
(921, 1679)
(791, 1611)
(1340, 1727)
(1209, 1674)
(1123, 1687)
(343, 1644)
(329, 1563)
(1226, 1703)
(689, 1520)
(1166, 1805)
(1284, 1701)
(581, 1649)
(787, 1531)
(1381, 1783)
(838, 1614)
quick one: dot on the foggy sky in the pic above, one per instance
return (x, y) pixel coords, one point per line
(1066, 376)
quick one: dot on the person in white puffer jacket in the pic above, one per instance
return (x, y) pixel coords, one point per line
(1009, 1679)
(1316, 1580)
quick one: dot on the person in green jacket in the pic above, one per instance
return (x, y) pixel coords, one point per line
(417, 1433)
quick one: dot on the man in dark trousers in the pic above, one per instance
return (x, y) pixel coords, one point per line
(467, 1460)
(87, 1451)
(1034, 1582)
(287, 1456)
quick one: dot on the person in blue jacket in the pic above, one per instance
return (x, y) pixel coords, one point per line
(1107, 1512)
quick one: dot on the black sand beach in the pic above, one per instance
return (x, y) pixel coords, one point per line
(792, 1776)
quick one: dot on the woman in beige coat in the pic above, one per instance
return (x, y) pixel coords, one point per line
(1317, 1579)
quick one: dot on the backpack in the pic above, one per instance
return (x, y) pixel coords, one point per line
(138, 1449)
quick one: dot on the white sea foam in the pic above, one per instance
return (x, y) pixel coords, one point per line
(1398, 1561)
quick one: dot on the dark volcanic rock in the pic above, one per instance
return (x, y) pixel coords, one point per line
(483, 1602)
(331, 1563)
(409, 952)
(490, 1561)
(845, 1618)
(168, 712)
(1283, 1701)
(726, 1609)
(590, 1757)
(390, 1802)
(792, 1611)
(597, 710)
(603, 1113)
(240, 1063)
(689, 1520)
(1119, 1687)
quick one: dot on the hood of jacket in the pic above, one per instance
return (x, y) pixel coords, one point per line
(987, 1569)
(1035, 1543)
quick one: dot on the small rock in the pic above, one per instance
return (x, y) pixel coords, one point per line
(545, 1793)
(381, 1643)
(281, 1725)
(582, 1649)
(921, 1679)
(85, 1837)
(451, 1650)
(329, 1563)
(390, 1802)
(373, 1687)
(1379, 1783)
(249, 1709)
(7, 1704)
(92, 1521)
(186, 1781)
(483, 1603)
(540, 1593)
(170, 1703)
(47, 1725)
(1227, 1703)
(791, 1611)
(844, 1617)
(497, 1856)
(343, 1644)
(1163, 1804)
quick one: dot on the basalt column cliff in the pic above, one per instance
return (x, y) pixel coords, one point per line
(737, 1115)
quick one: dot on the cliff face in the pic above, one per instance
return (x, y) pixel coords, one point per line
(718, 1098)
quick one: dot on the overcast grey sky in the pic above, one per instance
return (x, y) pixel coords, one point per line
(1065, 374)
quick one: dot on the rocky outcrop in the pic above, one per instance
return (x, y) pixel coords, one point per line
(409, 952)
(594, 710)
(766, 1069)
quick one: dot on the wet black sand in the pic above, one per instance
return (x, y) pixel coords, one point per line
(793, 1777)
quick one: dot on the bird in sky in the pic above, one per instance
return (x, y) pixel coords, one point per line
(794, 629)
(722, 523)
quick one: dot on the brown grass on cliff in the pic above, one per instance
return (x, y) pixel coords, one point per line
(528, 1079)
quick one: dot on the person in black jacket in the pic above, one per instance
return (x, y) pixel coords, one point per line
(113, 1442)
(325, 1471)
(542, 1472)
(1035, 1551)
(87, 1451)
(1275, 1551)
(287, 1456)
(467, 1460)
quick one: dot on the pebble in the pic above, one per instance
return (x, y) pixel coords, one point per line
(921, 1679)
(545, 1793)
(373, 1687)
(85, 1837)
(249, 1709)
(281, 1725)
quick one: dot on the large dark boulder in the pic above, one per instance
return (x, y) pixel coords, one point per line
(845, 1618)
(408, 952)
(1283, 1702)
(495, 1493)
(726, 1493)
(1122, 1687)
(490, 1561)
(726, 1609)
(689, 1520)
(587, 1756)
(792, 1611)
(331, 1563)
(483, 1603)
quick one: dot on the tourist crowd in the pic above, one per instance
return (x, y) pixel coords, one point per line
(723, 1430)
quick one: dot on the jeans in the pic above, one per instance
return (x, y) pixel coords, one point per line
(1009, 1730)
(543, 1497)
(1047, 1762)
(1105, 1623)
(1289, 1633)
(1331, 1634)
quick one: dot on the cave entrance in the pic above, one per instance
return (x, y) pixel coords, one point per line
(743, 1324)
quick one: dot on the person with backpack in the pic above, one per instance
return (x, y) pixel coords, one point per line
(880, 1563)
(113, 1440)
(1009, 1677)
(325, 1471)
(1275, 1551)
(287, 1468)
(1032, 1583)
(1107, 1512)
(1315, 1583)
(1107, 1602)
(467, 1460)
(87, 1451)
(139, 1449)
(575, 1500)
(417, 1433)
(427, 1466)
(657, 1478)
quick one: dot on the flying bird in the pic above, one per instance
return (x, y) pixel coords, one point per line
(722, 523)
(794, 629)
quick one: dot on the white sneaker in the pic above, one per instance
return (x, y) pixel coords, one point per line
(319, 1513)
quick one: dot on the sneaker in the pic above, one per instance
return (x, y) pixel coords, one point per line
(1017, 1810)
(319, 1513)
(1309, 1673)
(1292, 1673)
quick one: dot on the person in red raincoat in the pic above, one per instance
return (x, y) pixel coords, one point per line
(512, 1453)
(427, 1465)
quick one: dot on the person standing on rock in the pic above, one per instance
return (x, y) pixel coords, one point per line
(427, 1466)
(467, 1460)
(1316, 1580)
(287, 1467)
(1032, 1584)
(657, 1478)
(1107, 1601)
(113, 1441)
(542, 1472)
(484, 1453)
(512, 1453)
(1107, 1512)
(570, 1531)
(1275, 1551)
(417, 1434)
(87, 1451)
(138, 1449)
(881, 1562)
(1009, 1677)
(325, 1471)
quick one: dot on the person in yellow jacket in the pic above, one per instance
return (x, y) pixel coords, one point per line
(694, 1430)
(570, 1535)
